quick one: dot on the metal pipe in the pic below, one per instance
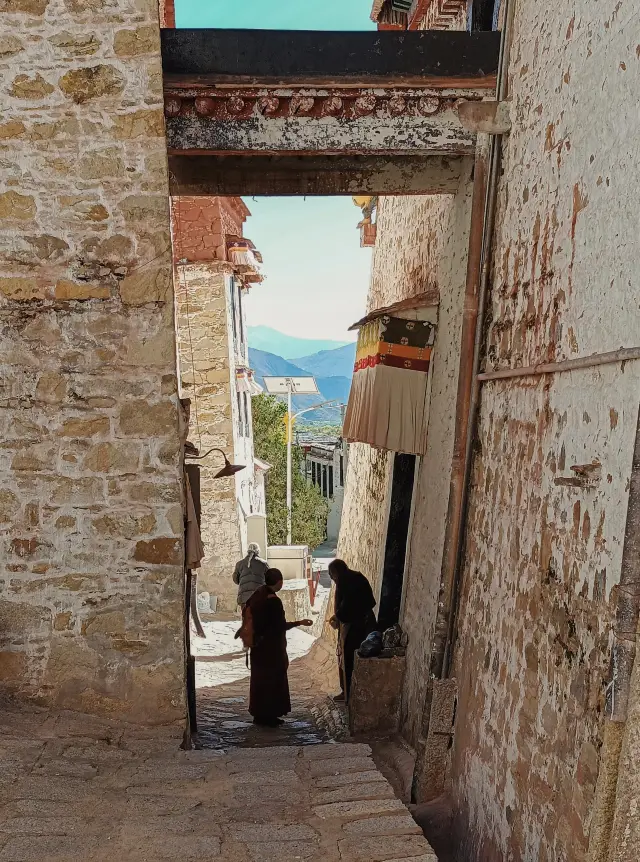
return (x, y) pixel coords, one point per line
(474, 401)
(289, 435)
(622, 355)
(627, 601)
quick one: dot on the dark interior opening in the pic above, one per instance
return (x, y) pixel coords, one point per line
(395, 552)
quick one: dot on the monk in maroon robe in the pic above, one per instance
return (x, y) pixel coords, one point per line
(269, 689)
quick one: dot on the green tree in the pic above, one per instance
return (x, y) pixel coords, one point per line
(309, 508)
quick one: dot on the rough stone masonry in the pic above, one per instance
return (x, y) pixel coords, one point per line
(91, 519)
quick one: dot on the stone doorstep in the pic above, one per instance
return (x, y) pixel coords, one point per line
(281, 851)
(383, 848)
(338, 766)
(263, 833)
(334, 781)
(359, 809)
(336, 750)
(386, 825)
(355, 793)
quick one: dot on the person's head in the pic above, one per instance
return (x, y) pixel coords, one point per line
(337, 570)
(253, 550)
(273, 579)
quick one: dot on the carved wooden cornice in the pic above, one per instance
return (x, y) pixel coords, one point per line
(348, 104)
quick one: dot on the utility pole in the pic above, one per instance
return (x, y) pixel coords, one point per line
(289, 436)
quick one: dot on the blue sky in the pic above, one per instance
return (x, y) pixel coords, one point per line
(276, 14)
(317, 274)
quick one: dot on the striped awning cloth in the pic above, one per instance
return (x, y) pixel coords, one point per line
(388, 403)
(246, 382)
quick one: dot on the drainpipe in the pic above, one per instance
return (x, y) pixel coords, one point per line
(627, 601)
(470, 421)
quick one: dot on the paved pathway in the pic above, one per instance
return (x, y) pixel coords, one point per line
(76, 789)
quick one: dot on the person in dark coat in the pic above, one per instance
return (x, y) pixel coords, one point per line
(269, 687)
(353, 617)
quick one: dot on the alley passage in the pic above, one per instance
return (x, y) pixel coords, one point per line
(77, 789)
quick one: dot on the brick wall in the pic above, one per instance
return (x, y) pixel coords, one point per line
(90, 492)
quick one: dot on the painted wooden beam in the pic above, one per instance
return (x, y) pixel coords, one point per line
(328, 121)
(440, 59)
(315, 175)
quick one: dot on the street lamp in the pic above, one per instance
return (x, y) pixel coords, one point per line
(229, 469)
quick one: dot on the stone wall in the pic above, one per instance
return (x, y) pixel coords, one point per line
(364, 512)
(543, 555)
(206, 367)
(210, 351)
(91, 520)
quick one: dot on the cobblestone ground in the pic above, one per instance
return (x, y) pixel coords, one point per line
(76, 789)
(222, 680)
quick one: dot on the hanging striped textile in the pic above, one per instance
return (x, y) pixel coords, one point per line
(388, 402)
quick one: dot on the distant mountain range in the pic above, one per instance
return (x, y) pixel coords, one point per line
(331, 387)
(288, 346)
(330, 363)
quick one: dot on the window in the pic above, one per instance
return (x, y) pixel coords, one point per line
(240, 319)
(233, 309)
(342, 471)
(247, 414)
(330, 471)
(240, 415)
(483, 15)
(324, 481)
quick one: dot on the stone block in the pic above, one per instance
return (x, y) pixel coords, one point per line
(141, 419)
(402, 824)
(161, 551)
(360, 808)
(326, 752)
(92, 82)
(75, 44)
(383, 848)
(31, 87)
(65, 289)
(340, 767)
(266, 832)
(374, 703)
(146, 285)
(282, 851)
(14, 205)
(21, 288)
(126, 523)
(12, 129)
(89, 427)
(443, 705)
(146, 123)
(30, 7)
(51, 388)
(336, 780)
(132, 43)
(355, 792)
(113, 458)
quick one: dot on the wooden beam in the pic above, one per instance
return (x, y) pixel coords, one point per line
(441, 59)
(208, 175)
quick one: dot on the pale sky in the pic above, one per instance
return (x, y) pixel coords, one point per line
(316, 273)
(276, 14)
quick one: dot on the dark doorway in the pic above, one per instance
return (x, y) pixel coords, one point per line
(395, 551)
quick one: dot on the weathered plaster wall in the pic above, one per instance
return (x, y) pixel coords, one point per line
(91, 518)
(421, 244)
(364, 513)
(543, 558)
